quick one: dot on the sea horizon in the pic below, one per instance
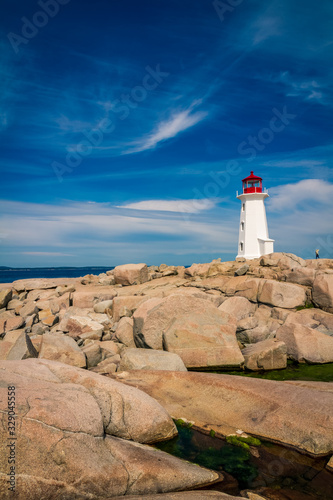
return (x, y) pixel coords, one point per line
(10, 274)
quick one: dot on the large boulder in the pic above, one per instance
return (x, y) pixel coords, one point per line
(35, 284)
(240, 307)
(62, 348)
(13, 346)
(5, 297)
(297, 416)
(83, 327)
(131, 274)
(66, 420)
(93, 353)
(243, 286)
(154, 317)
(197, 270)
(124, 332)
(13, 304)
(242, 270)
(284, 295)
(322, 292)
(88, 298)
(306, 345)
(301, 275)
(150, 359)
(313, 318)
(130, 302)
(9, 321)
(101, 307)
(29, 308)
(269, 354)
(282, 260)
(47, 318)
(204, 339)
(216, 298)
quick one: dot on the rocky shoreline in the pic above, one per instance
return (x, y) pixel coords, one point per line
(100, 366)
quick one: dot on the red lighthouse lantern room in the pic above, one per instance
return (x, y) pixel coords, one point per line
(252, 184)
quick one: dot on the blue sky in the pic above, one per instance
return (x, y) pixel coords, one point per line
(126, 128)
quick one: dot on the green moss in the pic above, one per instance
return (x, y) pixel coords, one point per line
(235, 441)
(307, 305)
(252, 441)
(212, 433)
(181, 423)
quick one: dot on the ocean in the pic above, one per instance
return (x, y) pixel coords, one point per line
(7, 275)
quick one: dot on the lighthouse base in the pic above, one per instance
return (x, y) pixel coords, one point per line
(265, 246)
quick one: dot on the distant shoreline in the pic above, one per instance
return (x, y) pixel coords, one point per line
(10, 274)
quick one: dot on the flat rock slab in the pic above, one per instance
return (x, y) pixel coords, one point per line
(150, 359)
(301, 417)
(66, 422)
(41, 284)
(318, 386)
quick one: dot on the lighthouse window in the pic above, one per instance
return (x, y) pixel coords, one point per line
(242, 226)
(241, 245)
(243, 207)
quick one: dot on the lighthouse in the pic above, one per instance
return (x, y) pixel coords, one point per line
(253, 238)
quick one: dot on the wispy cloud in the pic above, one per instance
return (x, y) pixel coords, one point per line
(308, 89)
(179, 121)
(287, 163)
(307, 191)
(94, 233)
(181, 206)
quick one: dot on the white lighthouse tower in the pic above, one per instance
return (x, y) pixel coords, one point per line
(253, 238)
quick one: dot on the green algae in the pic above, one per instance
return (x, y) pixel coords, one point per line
(234, 440)
(243, 441)
(307, 305)
(211, 452)
(183, 423)
(294, 371)
(273, 465)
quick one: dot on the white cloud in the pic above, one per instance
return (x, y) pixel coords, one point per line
(294, 163)
(97, 232)
(308, 191)
(178, 122)
(184, 206)
(307, 89)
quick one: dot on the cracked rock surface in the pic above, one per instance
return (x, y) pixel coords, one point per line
(73, 431)
(298, 415)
